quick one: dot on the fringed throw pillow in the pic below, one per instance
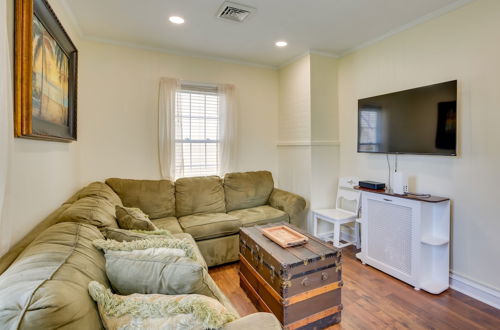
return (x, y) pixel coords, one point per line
(138, 311)
(126, 235)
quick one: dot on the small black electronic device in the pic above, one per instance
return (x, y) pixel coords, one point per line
(372, 185)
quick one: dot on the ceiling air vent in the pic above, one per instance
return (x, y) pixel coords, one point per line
(234, 11)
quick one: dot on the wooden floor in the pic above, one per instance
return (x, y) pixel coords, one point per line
(375, 300)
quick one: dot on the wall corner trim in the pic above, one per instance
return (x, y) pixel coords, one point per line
(305, 143)
(471, 288)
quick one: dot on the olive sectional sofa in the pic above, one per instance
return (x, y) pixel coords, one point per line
(212, 210)
(44, 277)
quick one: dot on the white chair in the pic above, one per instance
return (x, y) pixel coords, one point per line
(346, 211)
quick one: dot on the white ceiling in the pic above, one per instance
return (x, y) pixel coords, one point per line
(327, 26)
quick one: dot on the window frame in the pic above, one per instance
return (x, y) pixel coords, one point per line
(180, 142)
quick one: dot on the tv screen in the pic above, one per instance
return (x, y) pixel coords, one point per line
(416, 121)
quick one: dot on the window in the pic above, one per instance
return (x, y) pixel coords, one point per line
(369, 129)
(197, 140)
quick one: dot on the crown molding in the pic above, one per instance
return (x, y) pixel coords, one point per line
(177, 53)
(305, 143)
(325, 54)
(72, 17)
(69, 11)
(293, 59)
(435, 14)
(301, 55)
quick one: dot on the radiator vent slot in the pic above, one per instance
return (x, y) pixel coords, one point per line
(234, 11)
(390, 235)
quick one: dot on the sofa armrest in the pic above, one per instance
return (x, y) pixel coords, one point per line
(292, 204)
(256, 321)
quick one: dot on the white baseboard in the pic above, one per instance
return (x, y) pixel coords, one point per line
(475, 290)
(459, 283)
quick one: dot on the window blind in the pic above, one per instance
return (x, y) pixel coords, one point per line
(197, 130)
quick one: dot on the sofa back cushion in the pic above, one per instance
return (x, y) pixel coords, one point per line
(203, 194)
(8, 258)
(99, 190)
(91, 210)
(46, 287)
(93, 190)
(248, 189)
(156, 198)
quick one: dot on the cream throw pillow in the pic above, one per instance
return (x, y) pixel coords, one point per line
(153, 242)
(154, 266)
(133, 218)
(155, 311)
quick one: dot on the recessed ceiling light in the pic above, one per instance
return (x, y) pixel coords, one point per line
(176, 19)
(281, 43)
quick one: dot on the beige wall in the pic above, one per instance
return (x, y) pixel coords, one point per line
(295, 101)
(118, 102)
(308, 126)
(462, 45)
(117, 124)
(324, 98)
(294, 159)
(324, 131)
(43, 174)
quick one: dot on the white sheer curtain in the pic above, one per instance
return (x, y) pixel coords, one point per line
(166, 126)
(6, 134)
(227, 128)
(170, 127)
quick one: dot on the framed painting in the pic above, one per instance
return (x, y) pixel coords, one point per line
(45, 74)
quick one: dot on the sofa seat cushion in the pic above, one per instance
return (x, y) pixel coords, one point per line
(220, 250)
(169, 223)
(210, 225)
(46, 287)
(156, 198)
(248, 189)
(260, 215)
(203, 194)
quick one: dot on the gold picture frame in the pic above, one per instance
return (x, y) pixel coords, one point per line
(45, 78)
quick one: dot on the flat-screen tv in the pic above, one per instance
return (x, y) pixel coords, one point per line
(415, 121)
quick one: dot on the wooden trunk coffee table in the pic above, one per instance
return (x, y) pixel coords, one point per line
(300, 285)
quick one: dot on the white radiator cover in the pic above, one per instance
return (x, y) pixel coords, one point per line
(407, 239)
(390, 235)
